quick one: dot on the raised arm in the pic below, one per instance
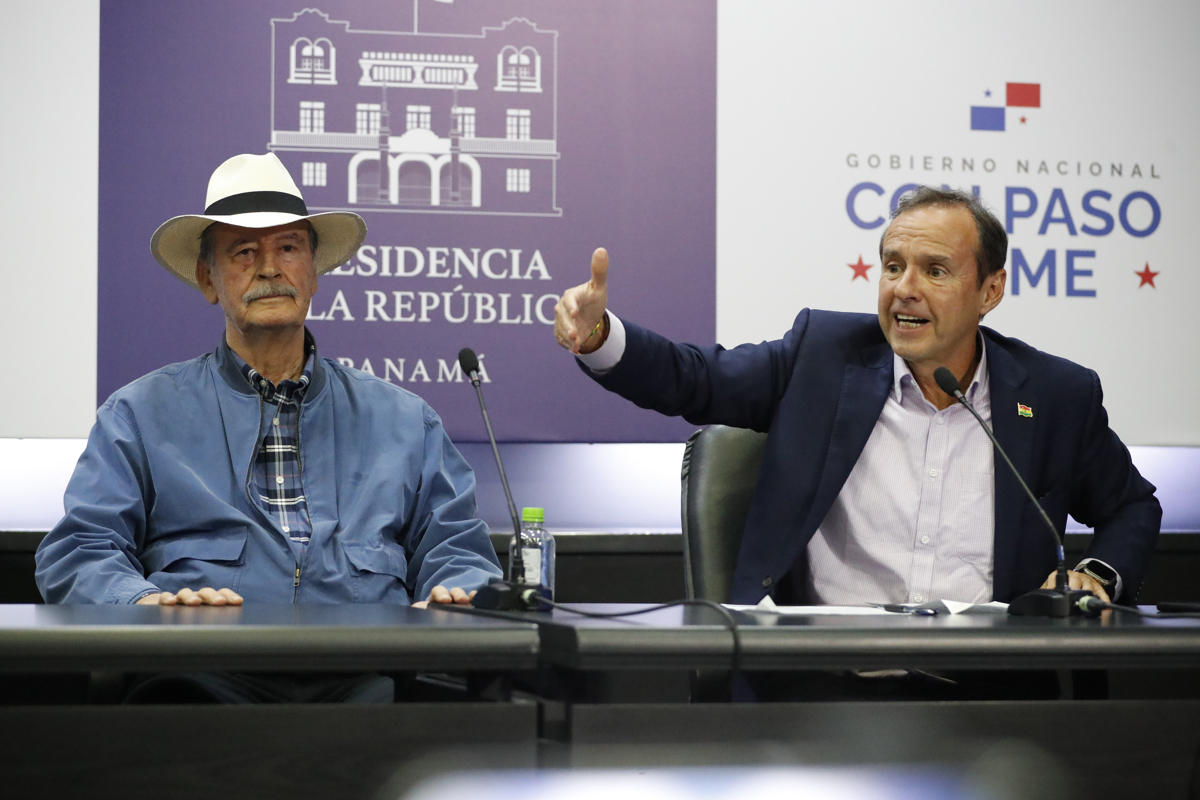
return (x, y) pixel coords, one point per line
(703, 384)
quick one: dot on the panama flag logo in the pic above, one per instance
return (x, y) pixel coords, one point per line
(1016, 95)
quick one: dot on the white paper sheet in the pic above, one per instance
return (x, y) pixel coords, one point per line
(767, 605)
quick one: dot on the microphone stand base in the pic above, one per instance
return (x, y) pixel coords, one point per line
(508, 596)
(1050, 603)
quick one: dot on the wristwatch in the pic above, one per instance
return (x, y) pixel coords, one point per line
(1103, 574)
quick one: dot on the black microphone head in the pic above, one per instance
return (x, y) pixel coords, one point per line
(945, 380)
(468, 360)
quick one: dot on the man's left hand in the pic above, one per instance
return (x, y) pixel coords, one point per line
(1077, 580)
(444, 596)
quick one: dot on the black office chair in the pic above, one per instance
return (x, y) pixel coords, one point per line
(720, 469)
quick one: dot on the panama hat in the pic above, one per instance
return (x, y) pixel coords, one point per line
(254, 192)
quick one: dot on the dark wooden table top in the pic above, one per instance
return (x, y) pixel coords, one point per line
(69, 638)
(691, 637)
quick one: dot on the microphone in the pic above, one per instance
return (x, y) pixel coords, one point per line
(1060, 601)
(500, 595)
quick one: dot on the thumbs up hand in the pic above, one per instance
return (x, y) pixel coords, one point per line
(580, 311)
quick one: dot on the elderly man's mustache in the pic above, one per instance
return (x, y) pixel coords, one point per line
(268, 290)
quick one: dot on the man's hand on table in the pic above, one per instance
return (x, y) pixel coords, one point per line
(187, 597)
(1078, 580)
(443, 596)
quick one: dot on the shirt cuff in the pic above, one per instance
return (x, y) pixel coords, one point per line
(1120, 587)
(140, 595)
(609, 354)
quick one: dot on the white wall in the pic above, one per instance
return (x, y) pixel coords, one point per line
(766, 91)
(48, 174)
(804, 85)
(48, 211)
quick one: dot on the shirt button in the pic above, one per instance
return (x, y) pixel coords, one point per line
(275, 421)
(924, 540)
(918, 598)
(286, 529)
(767, 581)
(279, 479)
(941, 420)
(933, 473)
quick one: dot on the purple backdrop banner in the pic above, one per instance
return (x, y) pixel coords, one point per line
(490, 145)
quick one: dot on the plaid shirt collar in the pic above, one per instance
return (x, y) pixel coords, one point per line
(285, 392)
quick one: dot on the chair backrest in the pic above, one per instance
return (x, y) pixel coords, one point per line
(720, 469)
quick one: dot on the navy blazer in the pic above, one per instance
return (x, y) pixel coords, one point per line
(818, 393)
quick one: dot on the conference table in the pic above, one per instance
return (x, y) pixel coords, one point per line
(693, 637)
(264, 638)
(359, 748)
(73, 638)
(298, 751)
(1131, 748)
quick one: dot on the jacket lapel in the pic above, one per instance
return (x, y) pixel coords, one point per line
(240, 414)
(1016, 435)
(865, 388)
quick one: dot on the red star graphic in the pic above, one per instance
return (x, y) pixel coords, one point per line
(1147, 276)
(860, 270)
(1022, 120)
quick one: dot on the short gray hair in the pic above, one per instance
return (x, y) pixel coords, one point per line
(209, 257)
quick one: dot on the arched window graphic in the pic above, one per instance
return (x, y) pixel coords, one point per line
(364, 178)
(313, 62)
(312, 57)
(466, 190)
(518, 70)
(413, 182)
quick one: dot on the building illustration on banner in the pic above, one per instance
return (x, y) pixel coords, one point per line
(403, 122)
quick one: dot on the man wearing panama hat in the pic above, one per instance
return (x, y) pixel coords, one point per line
(261, 471)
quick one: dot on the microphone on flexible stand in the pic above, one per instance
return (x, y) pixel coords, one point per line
(1061, 601)
(500, 595)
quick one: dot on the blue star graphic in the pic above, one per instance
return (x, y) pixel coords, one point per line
(987, 92)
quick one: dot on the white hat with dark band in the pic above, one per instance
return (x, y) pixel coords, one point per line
(254, 192)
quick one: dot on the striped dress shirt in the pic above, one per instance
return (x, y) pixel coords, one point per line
(914, 522)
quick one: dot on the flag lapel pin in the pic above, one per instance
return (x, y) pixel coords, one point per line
(1024, 410)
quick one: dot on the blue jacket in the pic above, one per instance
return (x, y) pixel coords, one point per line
(161, 497)
(819, 392)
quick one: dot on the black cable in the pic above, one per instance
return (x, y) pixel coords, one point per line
(730, 620)
(949, 384)
(731, 623)
(1092, 603)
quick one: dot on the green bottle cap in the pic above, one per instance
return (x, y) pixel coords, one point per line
(537, 515)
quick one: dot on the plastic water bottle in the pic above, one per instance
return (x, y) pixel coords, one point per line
(537, 552)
